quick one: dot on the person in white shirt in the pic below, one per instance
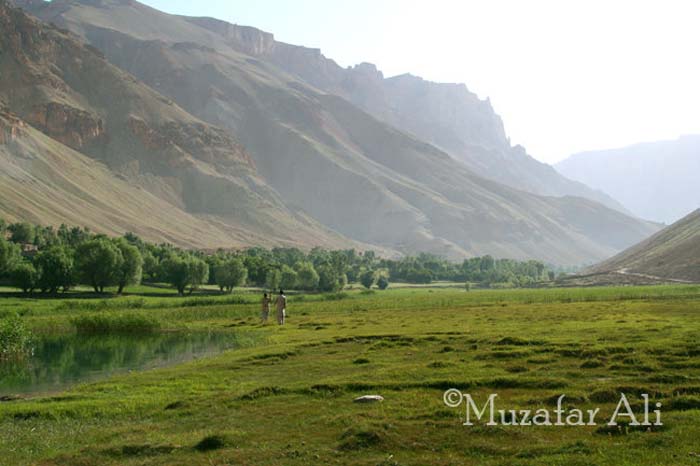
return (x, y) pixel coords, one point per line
(281, 305)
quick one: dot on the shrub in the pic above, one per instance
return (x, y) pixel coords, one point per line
(382, 283)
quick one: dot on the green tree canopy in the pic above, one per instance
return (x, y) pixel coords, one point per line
(130, 269)
(289, 278)
(23, 233)
(185, 270)
(98, 262)
(230, 273)
(24, 276)
(9, 256)
(55, 269)
(367, 278)
(307, 277)
(273, 278)
(329, 279)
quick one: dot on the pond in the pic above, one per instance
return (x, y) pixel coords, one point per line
(59, 362)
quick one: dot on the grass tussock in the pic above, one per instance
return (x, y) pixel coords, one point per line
(211, 442)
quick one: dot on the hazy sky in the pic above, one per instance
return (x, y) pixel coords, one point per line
(566, 76)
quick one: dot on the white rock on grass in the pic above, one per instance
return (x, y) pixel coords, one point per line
(368, 399)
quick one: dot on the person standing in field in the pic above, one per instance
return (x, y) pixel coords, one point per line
(265, 307)
(281, 305)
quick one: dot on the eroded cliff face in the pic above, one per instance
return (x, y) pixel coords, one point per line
(71, 126)
(245, 39)
(11, 127)
(174, 143)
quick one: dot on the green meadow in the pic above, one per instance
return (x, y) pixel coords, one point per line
(284, 395)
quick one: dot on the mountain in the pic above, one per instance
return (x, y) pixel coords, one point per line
(445, 115)
(84, 142)
(319, 154)
(656, 180)
(673, 253)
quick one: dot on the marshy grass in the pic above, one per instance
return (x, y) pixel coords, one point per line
(15, 339)
(94, 324)
(285, 394)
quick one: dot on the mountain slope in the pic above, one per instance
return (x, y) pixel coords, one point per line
(446, 115)
(69, 92)
(672, 253)
(350, 171)
(45, 182)
(657, 180)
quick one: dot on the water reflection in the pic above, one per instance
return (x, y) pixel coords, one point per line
(59, 362)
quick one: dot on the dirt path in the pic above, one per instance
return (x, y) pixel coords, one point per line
(626, 271)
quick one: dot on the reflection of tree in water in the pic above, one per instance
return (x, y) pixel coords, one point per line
(60, 361)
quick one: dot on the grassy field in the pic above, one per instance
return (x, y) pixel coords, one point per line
(286, 397)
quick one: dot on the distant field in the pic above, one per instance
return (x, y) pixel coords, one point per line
(286, 397)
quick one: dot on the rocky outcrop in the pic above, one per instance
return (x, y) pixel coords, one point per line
(71, 126)
(175, 143)
(245, 39)
(11, 127)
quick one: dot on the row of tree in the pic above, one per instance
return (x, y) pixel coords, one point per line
(51, 259)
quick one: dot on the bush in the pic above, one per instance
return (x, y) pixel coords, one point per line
(15, 339)
(383, 283)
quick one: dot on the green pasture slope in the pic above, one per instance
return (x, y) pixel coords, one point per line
(285, 398)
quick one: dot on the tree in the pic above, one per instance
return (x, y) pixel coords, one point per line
(383, 282)
(273, 279)
(307, 277)
(9, 256)
(367, 278)
(329, 279)
(183, 271)
(289, 278)
(418, 275)
(176, 271)
(199, 273)
(98, 263)
(22, 233)
(230, 274)
(24, 276)
(55, 269)
(130, 270)
(151, 267)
